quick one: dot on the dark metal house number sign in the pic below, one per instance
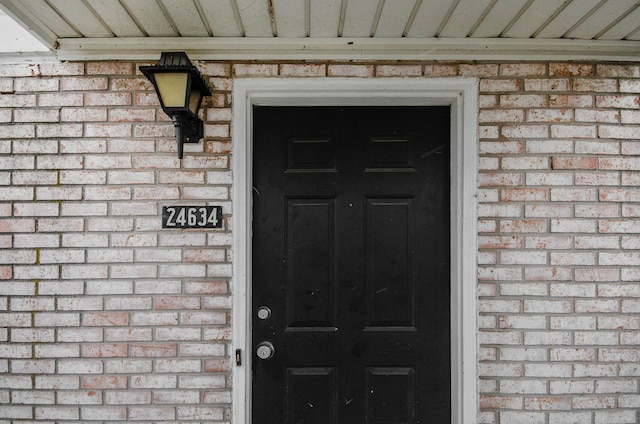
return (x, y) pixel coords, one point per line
(192, 217)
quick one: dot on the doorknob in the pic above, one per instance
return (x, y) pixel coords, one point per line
(265, 350)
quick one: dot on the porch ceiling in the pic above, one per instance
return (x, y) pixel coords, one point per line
(334, 29)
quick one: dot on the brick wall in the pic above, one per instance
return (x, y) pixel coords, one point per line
(107, 317)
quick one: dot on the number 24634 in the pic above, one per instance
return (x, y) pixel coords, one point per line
(191, 217)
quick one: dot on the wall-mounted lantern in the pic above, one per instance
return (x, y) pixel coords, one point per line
(180, 88)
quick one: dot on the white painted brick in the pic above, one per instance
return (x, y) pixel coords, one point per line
(597, 306)
(522, 100)
(617, 417)
(523, 257)
(182, 271)
(15, 412)
(575, 417)
(499, 210)
(523, 289)
(200, 413)
(617, 132)
(603, 147)
(178, 334)
(73, 366)
(523, 321)
(572, 354)
(531, 162)
(552, 338)
(141, 397)
(548, 242)
(201, 349)
(202, 382)
(548, 306)
(566, 258)
(500, 338)
(618, 290)
(572, 290)
(57, 351)
(126, 335)
(629, 401)
(616, 386)
(594, 370)
(593, 402)
(619, 322)
(175, 396)
(572, 323)
(100, 413)
(32, 397)
(619, 258)
(584, 338)
(32, 304)
(547, 370)
(178, 366)
(128, 366)
(503, 306)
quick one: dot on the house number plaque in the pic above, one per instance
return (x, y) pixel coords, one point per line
(192, 217)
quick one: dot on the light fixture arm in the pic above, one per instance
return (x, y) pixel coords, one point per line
(187, 131)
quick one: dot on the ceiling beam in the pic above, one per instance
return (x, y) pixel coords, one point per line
(357, 49)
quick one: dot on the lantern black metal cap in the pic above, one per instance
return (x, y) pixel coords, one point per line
(188, 127)
(174, 59)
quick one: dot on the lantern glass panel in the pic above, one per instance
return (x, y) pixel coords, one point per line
(195, 97)
(172, 88)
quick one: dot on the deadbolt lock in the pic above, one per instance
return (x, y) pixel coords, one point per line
(264, 312)
(265, 350)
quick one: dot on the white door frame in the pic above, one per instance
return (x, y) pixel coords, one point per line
(459, 93)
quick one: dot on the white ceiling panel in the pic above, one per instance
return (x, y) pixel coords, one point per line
(498, 18)
(51, 18)
(345, 29)
(602, 18)
(567, 18)
(325, 18)
(394, 17)
(292, 17)
(625, 28)
(186, 17)
(429, 18)
(116, 18)
(223, 17)
(464, 18)
(360, 17)
(150, 17)
(534, 18)
(81, 18)
(255, 17)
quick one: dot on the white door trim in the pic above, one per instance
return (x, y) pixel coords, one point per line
(462, 95)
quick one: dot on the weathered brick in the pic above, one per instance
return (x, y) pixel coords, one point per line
(547, 84)
(571, 100)
(618, 70)
(618, 101)
(595, 85)
(571, 69)
(617, 132)
(523, 100)
(83, 84)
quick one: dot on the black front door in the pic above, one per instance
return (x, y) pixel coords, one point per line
(351, 265)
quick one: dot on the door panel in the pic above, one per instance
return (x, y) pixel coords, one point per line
(311, 260)
(351, 256)
(390, 278)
